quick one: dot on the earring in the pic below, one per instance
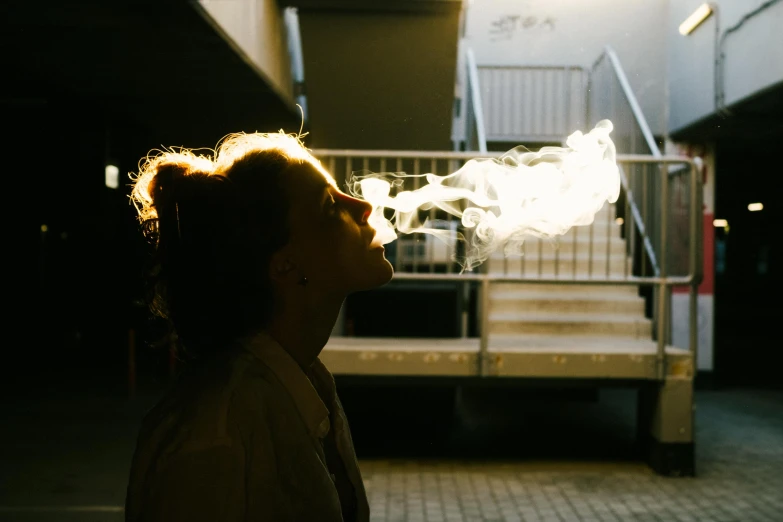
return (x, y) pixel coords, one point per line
(303, 281)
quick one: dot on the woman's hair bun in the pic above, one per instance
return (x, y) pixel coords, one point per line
(163, 185)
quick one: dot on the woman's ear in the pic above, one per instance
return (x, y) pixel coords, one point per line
(281, 268)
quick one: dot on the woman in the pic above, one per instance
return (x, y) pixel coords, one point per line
(256, 250)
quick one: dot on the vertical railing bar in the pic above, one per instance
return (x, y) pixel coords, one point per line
(507, 90)
(484, 346)
(573, 265)
(450, 249)
(451, 167)
(627, 223)
(655, 205)
(669, 292)
(540, 257)
(608, 237)
(693, 323)
(663, 286)
(332, 165)
(400, 244)
(695, 263)
(348, 168)
(567, 111)
(416, 168)
(465, 309)
(433, 170)
(590, 252)
(523, 261)
(644, 218)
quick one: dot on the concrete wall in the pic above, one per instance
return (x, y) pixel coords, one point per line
(380, 79)
(753, 57)
(258, 30)
(574, 32)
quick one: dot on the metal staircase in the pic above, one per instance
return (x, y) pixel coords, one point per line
(592, 305)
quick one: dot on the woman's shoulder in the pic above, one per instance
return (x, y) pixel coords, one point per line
(197, 411)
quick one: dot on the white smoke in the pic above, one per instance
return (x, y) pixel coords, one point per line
(503, 201)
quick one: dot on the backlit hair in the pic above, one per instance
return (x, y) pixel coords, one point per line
(215, 219)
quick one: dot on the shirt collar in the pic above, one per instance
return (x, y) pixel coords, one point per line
(300, 386)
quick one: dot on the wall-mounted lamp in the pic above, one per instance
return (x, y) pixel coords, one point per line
(112, 176)
(755, 207)
(695, 19)
(721, 223)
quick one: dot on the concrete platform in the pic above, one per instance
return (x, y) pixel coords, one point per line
(507, 356)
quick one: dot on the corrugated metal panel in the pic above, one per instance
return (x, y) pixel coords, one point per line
(532, 103)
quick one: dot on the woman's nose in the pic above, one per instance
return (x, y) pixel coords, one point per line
(362, 210)
(365, 210)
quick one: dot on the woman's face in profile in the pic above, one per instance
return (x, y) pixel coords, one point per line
(330, 236)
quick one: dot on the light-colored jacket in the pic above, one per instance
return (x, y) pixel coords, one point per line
(248, 439)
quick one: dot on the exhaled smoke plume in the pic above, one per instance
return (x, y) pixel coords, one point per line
(503, 201)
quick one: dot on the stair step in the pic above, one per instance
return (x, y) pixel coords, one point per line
(575, 344)
(562, 247)
(562, 266)
(599, 255)
(600, 232)
(565, 293)
(570, 324)
(520, 302)
(564, 278)
(557, 288)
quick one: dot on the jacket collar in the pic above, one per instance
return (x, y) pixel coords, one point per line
(300, 386)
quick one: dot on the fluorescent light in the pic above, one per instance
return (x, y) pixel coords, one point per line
(720, 223)
(755, 207)
(112, 176)
(693, 21)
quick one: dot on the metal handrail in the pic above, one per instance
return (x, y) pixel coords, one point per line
(475, 93)
(631, 98)
(637, 217)
(610, 55)
(462, 155)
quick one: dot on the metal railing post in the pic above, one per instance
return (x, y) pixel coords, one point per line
(663, 286)
(465, 312)
(484, 343)
(475, 96)
(696, 262)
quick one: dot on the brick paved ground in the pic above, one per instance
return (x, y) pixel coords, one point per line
(503, 464)
(739, 468)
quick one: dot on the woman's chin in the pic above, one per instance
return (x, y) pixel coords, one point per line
(380, 273)
(389, 272)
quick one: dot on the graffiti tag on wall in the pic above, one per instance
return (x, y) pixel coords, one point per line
(506, 26)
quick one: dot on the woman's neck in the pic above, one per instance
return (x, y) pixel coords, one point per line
(304, 330)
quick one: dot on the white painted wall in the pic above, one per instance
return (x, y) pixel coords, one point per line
(258, 29)
(574, 32)
(754, 57)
